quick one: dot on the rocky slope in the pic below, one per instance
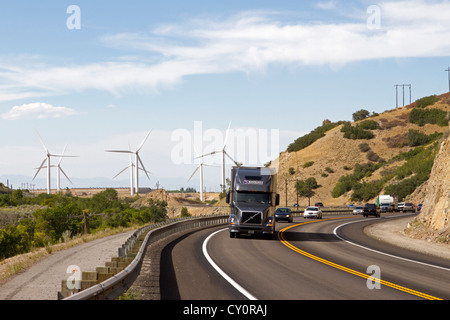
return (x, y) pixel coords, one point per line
(433, 223)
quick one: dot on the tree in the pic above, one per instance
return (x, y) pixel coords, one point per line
(305, 188)
(360, 115)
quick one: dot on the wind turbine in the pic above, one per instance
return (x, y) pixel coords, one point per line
(58, 172)
(48, 166)
(200, 166)
(224, 153)
(131, 166)
(137, 161)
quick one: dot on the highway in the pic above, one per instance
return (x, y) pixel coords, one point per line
(328, 259)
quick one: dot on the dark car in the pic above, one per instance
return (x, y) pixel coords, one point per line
(283, 214)
(318, 204)
(419, 207)
(370, 209)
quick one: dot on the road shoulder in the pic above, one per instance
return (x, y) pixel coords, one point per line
(392, 231)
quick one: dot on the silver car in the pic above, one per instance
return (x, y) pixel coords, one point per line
(312, 212)
(358, 210)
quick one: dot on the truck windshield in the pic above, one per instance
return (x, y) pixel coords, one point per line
(252, 197)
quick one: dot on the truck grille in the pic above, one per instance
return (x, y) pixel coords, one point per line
(251, 218)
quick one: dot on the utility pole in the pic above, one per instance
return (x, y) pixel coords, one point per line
(396, 95)
(448, 70)
(403, 92)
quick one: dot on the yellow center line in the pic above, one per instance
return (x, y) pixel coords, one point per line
(351, 271)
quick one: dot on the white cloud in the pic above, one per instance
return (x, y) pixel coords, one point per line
(38, 110)
(246, 42)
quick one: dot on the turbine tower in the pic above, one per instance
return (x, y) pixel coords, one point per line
(200, 166)
(48, 166)
(131, 166)
(137, 161)
(224, 153)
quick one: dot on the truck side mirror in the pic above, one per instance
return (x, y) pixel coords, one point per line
(228, 197)
(277, 199)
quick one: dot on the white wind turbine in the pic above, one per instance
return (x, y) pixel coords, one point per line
(137, 161)
(48, 166)
(224, 153)
(131, 166)
(200, 166)
(58, 172)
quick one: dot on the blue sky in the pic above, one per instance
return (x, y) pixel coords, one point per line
(132, 66)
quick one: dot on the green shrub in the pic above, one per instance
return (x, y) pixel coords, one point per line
(364, 147)
(432, 116)
(419, 163)
(426, 101)
(366, 191)
(372, 156)
(356, 132)
(308, 164)
(349, 182)
(369, 125)
(404, 187)
(417, 138)
(310, 138)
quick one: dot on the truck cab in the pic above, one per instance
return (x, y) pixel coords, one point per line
(252, 199)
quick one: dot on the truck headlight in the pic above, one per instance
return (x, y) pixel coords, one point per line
(233, 220)
(269, 222)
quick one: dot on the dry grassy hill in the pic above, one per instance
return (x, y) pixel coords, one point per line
(334, 156)
(176, 201)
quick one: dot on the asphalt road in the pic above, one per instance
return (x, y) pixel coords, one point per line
(305, 260)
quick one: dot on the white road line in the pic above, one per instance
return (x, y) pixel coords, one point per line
(380, 252)
(221, 272)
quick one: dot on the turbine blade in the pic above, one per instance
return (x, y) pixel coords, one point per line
(145, 170)
(40, 167)
(143, 141)
(42, 141)
(207, 154)
(226, 136)
(64, 151)
(121, 171)
(230, 158)
(65, 174)
(119, 151)
(193, 173)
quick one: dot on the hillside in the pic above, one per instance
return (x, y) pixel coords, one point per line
(433, 223)
(395, 156)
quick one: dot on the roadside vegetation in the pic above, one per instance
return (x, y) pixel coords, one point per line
(60, 217)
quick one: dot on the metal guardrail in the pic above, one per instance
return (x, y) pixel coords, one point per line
(118, 283)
